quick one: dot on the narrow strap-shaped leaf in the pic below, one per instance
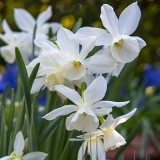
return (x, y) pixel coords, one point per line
(33, 74)
(24, 80)
(77, 25)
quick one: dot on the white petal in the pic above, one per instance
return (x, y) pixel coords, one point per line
(108, 122)
(107, 104)
(118, 69)
(44, 16)
(112, 139)
(82, 150)
(67, 41)
(129, 19)
(101, 154)
(96, 90)
(8, 53)
(6, 28)
(24, 20)
(87, 123)
(65, 110)
(141, 42)
(123, 118)
(37, 84)
(68, 123)
(19, 144)
(102, 111)
(87, 46)
(72, 72)
(129, 50)
(92, 149)
(101, 62)
(102, 37)
(6, 158)
(109, 19)
(35, 156)
(70, 94)
(53, 25)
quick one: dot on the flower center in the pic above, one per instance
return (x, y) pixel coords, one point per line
(76, 63)
(119, 44)
(84, 114)
(14, 156)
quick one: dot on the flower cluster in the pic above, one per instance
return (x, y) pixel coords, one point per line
(70, 66)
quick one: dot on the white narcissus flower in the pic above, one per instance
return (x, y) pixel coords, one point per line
(26, 22)
(12, 40)
(17, 154)
(112, 139)
(87, 108)
(124, 47)
(93, 144)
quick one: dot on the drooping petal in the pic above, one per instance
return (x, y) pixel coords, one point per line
(101, 154)
(70, 94)
(123, 118)
(24, 20)
(127, 51)
(96, 90)
(129, 19)
(65, 110)
(67, 41)
(19, 144)
(6, 158)
(44, 16)
(101, 62)
(109, 19)
(35, 156)
(102, 36)
(92, 148)
(82, 150)
(118, 69)
(68, 123)
(141, 42)
(112, 139)
(37, 84)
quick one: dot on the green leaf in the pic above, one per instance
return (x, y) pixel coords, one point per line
(77, 25)
(24, 81)
(33, 74)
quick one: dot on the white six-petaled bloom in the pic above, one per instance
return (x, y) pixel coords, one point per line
(123, 47)
(112, 139)
(26, 22)
(85, 113)
(12, 40)
(18, 153)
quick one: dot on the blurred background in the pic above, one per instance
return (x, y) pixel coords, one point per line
(142, 77)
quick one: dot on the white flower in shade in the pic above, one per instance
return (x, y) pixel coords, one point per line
(26, 22)
(93, 144)
(112, 139)
(86, 108)
(12, 40)
(18, 154)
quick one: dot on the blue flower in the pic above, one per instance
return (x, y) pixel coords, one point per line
(9, 76)
(151, 75)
